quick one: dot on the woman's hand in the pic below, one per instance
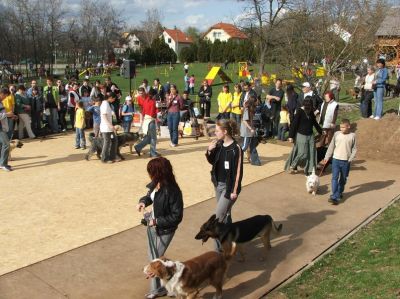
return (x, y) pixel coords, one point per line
(234, 196)
(140, 207)
(152, 222)
(212, 145)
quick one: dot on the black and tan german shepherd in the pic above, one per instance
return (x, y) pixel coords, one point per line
(233, 236)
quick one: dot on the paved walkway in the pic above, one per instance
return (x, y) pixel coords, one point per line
(112, 267)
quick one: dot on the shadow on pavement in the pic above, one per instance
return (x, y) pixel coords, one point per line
(293, 229)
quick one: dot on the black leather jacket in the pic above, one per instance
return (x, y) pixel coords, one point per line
(167, 207)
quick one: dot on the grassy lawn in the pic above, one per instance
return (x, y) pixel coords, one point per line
(354, 114)
(365, 266)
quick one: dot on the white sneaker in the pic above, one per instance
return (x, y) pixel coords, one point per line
(377, 118)
(372, 116)
(172, 144)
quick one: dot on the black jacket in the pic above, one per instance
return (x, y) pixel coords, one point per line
(235, 159)
(202, 94)
(167, 207)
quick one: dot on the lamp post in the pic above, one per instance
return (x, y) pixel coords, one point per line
(55, 56)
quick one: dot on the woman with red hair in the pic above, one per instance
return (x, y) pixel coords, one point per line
(166, 197)
(327, 118)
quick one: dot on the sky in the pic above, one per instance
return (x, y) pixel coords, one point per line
(182, 13)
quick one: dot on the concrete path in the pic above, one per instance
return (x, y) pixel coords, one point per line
(112, 267)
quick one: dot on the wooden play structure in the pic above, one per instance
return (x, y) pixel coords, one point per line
(217, 71)
(387, 43)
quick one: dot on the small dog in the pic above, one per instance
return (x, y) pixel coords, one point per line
(312, 183)
(96, 144)
(209, 128)
(13, 145)
(184, 279)
(233, 236)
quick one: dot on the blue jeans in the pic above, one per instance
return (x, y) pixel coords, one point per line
(80, 140)
(4, 148)
(378, 95)
(10, 132)
(282, 129)
(340, 172)
(252, 142)
(173, 123)
(127, 126)
(150, 138)
(53, 120)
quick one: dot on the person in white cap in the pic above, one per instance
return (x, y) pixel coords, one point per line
(315, 99)
(127, 114)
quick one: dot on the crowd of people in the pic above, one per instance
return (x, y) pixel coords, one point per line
(282, 113)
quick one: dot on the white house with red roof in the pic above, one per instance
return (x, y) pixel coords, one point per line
(176, 39)
(224, 32)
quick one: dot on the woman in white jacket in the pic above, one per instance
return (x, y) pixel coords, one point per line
(327, 118)
(368, 93)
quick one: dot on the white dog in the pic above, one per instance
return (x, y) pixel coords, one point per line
(312, 183)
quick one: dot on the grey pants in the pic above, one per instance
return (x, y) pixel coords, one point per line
(4, 148)
(224, 205)
(223, 211)
(157, 247)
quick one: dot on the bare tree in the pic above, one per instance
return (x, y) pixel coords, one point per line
(151, 26)
(264, 17)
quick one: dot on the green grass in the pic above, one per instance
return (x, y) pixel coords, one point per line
(365, 266)
(354, 114)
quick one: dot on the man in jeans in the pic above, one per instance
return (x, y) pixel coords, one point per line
(107, 130)
(149, 112)
(52, 102)
(4, 141)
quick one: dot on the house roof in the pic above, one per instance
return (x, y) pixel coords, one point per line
(391, 24)
(178, 36)
(230, 29)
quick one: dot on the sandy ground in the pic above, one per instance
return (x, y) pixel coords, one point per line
(55, 200)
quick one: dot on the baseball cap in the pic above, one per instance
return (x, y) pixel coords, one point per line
(306, 84)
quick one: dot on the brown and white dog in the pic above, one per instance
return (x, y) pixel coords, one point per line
(185, 278)
(13, 145)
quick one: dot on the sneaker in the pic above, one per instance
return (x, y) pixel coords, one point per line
(6, 168)
(372, 116)
(377, 118)
(156, 295)
(77, 147)
(333, 200)
(156, 155)
(172, 144)
(64, 130)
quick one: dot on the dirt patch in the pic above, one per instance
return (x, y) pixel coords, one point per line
(379, 140)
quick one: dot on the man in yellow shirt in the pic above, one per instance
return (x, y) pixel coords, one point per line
(80, 140)
(224, 103)
(9, 105)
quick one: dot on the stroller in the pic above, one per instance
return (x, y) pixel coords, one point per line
(190, 124)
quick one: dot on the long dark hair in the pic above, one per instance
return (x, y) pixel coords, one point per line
(160, 171)
(251, 105)
(308, 105)
(290, 91)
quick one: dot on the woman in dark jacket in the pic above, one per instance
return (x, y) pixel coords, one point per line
(226, 158)
(292, 101)
(304, 152)
(166, 197)
(205, 94)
